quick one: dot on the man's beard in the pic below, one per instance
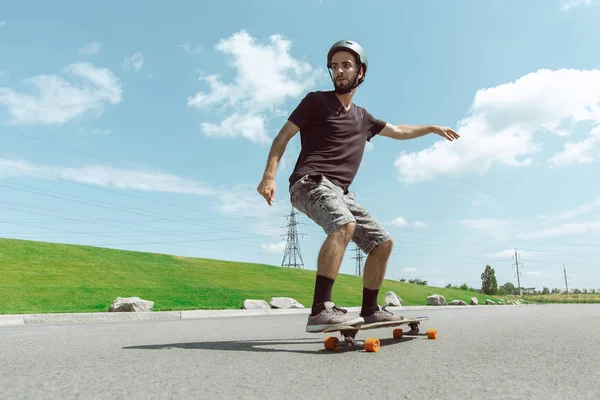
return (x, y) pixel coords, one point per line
(343, 87)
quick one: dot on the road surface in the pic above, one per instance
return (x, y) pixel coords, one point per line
(509, 352)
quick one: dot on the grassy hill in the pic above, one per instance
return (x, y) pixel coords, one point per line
(40, 277)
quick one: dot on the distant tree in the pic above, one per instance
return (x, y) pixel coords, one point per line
(556, 291)
(509, 288)
(545, 290)
(489, 285)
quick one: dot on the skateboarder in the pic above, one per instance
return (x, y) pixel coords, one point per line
(333, 134)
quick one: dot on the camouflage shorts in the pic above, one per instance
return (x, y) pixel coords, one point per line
(327, 205)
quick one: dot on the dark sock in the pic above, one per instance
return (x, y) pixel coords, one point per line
(369, 303)
(323, 286)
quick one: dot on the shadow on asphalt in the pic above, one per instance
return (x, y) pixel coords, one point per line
(257, 346)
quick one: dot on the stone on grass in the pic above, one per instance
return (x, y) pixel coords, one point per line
(285, 302)
(392, 299)
(131, 304)
(251, 304)
(436, 300)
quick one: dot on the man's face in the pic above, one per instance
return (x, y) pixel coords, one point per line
(344, 68)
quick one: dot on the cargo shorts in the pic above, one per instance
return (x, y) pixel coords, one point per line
(329, 207)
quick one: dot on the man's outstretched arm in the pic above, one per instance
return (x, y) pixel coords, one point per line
(267, 185)
(404, 132)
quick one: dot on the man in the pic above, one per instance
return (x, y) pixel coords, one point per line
(333, 134)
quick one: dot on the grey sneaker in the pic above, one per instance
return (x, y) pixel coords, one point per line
(332, 315)
(382, 315)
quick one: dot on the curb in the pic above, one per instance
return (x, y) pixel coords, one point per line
(103, 317)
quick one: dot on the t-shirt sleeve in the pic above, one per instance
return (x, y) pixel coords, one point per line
(373, 125)
(303, 113)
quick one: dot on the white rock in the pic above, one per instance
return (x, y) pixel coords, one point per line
(392, 299)
(250, 304)
(436, 300)
(131, 304)
(284, 302)
(474, 301)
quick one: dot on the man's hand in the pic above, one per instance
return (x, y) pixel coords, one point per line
(267, 189)
(445, 132)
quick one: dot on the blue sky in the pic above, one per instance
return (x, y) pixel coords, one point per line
(146, 126)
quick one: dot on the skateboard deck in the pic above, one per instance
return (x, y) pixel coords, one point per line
(372, 344)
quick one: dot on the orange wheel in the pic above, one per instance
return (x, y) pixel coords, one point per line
(331, 343)
(372, 344)
(432, 333)
(397, 333)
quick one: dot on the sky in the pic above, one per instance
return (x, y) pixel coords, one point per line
(146, 126)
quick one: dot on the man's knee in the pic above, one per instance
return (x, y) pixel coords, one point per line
(346, 230)
(385, 248)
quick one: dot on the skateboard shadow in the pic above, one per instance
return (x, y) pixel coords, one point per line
(257, 346)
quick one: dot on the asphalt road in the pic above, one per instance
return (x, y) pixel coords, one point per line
(509, 352)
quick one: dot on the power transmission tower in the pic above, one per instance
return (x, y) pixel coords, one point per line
(292, 248)
(518, 273)
(566, 284)
(358, 256)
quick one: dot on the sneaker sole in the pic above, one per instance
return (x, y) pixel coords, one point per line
(322, 327)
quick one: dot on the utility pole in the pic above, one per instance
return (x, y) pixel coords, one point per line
(359, 260)
(292, 247)
(566, 284)
(518, 273)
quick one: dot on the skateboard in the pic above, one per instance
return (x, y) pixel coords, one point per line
(372, 344)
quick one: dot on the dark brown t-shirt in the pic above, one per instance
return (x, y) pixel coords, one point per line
(333, 139)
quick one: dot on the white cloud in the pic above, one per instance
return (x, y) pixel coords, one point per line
(398, 222)
(574, 212)
(369, 147)
(91, 49)
(533, 273)
(273, 248)
(250, 126)
(105, 176)
(568, 4)
(135, 62)
(510, 254)
(502, 122)
(240, 200)
(592, 227)
(266, 76)
(420, 224)
(191, 50)
(2, 23)
(582, 152)
(58, 101)
(409, 269)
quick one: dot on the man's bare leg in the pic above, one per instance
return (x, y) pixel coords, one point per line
(329, 261)
(376, 265)
(374, 274)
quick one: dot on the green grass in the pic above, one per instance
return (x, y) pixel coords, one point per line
(40, 277)
(564, 298)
